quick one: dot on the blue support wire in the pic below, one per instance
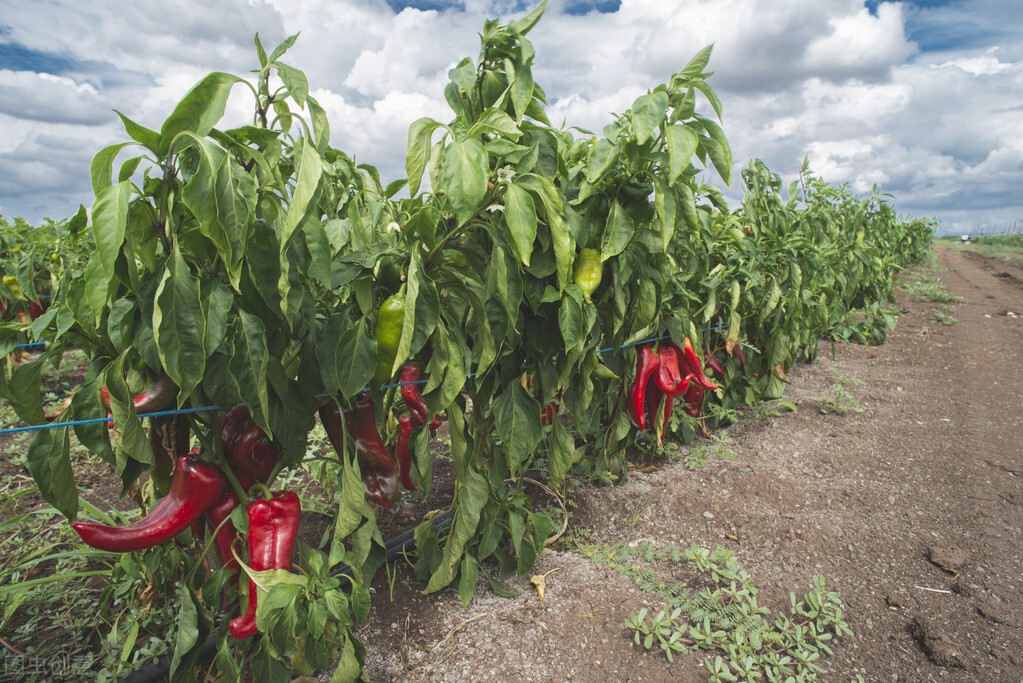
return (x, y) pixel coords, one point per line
(185, 411)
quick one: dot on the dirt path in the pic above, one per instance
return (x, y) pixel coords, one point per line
(912, 509)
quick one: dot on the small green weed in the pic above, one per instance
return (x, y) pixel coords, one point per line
(944, 316)
(838, 399)
(717, 612)
(924, 287)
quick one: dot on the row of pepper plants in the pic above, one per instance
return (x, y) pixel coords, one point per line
(545, 291)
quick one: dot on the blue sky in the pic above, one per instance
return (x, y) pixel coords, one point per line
(923, 98)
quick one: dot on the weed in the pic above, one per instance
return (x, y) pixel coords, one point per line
(838, 399)
(717, 611)
(765, 409)
(929, 288)
(697, 457)
(944, 316)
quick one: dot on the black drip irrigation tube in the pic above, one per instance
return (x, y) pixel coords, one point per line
(396, 547)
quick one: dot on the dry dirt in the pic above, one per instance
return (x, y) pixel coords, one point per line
(912, 509)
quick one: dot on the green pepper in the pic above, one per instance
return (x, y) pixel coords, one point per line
(390, 320)
(12, 284)
(637, 188)
(588, 271)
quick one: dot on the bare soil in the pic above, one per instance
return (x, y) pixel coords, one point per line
(912, 509)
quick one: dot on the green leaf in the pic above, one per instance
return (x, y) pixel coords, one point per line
(665, 206)
(520, 214)
(617, 232)
(49, 462)
(570, 318)
(149, 139)
(418, 154)
(200, 110)
(495, 121)
(132, 441)
(718, 150)
(307, 191)
(186, 635)
(295, 81)
(24, 394)
(562, 455)
(517, 419)
(602, 157)
(521, 87)
(248, 367)
(525, 24)
(464, 177)
(223, 198)
(351, 505)
(179, 329)
(109, 223)
(347, 356)
(467, 579)
(648, 114)
(102, 165)
(473, 493)
(682, 144)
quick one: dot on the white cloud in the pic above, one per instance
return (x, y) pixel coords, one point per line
(820, 78)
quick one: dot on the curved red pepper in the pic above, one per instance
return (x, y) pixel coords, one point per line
(250, 453)
(741, 356)
(647, 363)
(34, 310)
(273, 526)
(669, 376)
(196, 486)
(223, 539)
(402, 453)
(693, 361)
(379, 472)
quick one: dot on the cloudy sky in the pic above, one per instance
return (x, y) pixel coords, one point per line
(923, 97)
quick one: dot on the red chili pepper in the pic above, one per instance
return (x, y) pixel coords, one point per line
(379, 472)
(410, 393)
(647, 363)
(34, 310)
(196, 486)
(712, 362)
(669, 376)
(436, 422)
(402, 453)
(741, 356)
(694, 400)
(779, 372)
(217, 513)
(273, 526)
(250, 453)
(693, 361)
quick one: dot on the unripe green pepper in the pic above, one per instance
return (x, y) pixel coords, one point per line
(588, 271)
(390, 320)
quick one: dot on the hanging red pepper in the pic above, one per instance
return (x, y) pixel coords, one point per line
(647, 362)
(669, 376)
(402, 453)
(741, 356)
(712, 362)
(379, 472)
(410, 393)
(693, 361)
(694, 400)
(654, 396)
(250, 453)
(196, 486)
(273, 526)
(223, 539)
